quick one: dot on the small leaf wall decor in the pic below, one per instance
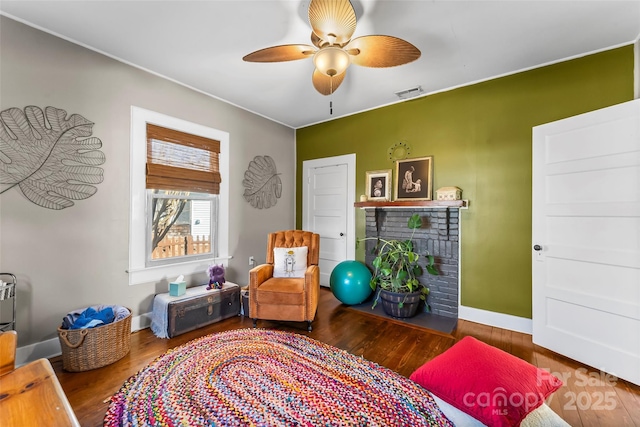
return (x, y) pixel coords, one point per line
(51, 158)
(263, 186)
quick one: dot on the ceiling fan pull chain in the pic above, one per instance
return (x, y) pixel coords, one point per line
(331, 100)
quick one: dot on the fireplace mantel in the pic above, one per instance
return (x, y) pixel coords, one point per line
(433, 204)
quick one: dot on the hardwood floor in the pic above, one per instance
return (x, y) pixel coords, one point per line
(586, 399)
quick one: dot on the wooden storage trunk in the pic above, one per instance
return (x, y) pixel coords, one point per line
(192, 313)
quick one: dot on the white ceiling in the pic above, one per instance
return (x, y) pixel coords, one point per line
(201, 44)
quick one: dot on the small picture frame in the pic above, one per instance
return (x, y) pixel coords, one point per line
(414, 179)
(378, 186)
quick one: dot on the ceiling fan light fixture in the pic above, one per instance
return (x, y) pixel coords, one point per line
(331, 60)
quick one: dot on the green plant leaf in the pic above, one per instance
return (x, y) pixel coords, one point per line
(400, 304)
(413, 257)
(413, 284)
(415, 222)
(432, 270)
(377, 262)
(417, 270)
(375, 300)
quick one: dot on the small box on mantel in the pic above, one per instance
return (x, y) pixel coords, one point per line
(177, 289)
(448, 193)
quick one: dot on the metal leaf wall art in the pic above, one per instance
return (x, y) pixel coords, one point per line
(263, 186)
(51, 158)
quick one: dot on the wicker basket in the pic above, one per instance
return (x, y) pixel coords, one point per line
(85, 349)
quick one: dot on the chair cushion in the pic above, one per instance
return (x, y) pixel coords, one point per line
(290, 262)
(284, 291)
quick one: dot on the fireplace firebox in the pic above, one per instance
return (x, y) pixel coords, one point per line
(439, 236)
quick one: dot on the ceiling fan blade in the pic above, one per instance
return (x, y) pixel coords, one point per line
(330, 18)
(381, 51)
(327, 85)
(287, 52)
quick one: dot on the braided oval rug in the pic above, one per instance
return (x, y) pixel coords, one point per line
(257, 377)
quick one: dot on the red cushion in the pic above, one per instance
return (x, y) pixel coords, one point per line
(487, 383)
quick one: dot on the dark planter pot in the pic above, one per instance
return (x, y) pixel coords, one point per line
(390, 303)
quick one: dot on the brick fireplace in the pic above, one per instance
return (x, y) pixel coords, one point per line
(438, 235)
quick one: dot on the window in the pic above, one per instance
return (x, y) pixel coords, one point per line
(179, 199)
(180, 225)
(183, 183)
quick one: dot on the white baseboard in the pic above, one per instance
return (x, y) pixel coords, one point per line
(42, 349)
(51, 348)
(499, 320)
(142, 321)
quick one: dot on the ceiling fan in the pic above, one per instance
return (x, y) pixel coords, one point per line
(333, 22)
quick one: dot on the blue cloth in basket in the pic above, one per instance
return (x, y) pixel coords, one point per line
(91, 318)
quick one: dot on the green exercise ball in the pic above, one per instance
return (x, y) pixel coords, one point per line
(349, 282)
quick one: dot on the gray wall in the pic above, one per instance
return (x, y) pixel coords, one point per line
(77, 257)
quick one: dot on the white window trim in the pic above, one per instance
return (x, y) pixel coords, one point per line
(138, 272)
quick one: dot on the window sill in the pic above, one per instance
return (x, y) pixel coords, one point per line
(169, 272)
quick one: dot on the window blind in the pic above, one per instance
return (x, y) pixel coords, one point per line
(182, 162)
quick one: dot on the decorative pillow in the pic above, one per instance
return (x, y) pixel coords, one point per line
(290, 262)
(487, 383)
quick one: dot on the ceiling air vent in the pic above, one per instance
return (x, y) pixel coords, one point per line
(410, 93)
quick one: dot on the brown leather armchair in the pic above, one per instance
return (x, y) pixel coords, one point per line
(285, 298)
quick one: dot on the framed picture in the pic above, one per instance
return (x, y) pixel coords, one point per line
(379, 185)
(414, 178)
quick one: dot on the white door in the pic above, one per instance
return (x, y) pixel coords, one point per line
(586, 237)
(328, 197)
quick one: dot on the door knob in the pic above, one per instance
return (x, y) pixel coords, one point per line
(537, 248)
(341, 234)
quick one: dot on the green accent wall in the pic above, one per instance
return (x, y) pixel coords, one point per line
(480, 140)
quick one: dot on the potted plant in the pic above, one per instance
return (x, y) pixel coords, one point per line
(396, 271)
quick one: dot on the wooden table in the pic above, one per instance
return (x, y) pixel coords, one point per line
(32, 396)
